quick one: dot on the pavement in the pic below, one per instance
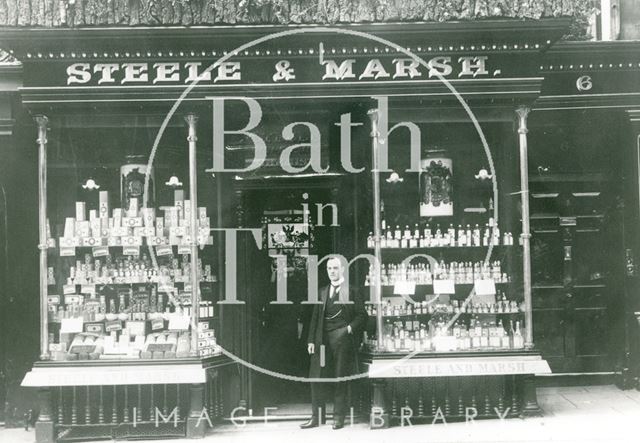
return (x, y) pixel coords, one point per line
(571, 414)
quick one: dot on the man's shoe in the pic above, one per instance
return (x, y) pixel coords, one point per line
(338, 423)
(313, 423)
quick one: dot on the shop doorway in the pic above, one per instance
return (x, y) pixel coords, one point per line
(279, 331)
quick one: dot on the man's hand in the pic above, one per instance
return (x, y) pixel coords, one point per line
(311, 348)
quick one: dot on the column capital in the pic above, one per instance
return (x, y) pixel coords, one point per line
(522, 112)
(191, 119)
(41, 120)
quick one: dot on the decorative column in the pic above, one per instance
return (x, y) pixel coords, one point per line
(44, 426)
(523, 113)
(42, 122)
(377, 230)
(196, 420)
(191, 120)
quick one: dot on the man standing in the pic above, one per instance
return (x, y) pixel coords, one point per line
(334, 332)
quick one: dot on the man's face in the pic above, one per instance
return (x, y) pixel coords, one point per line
(334, 270)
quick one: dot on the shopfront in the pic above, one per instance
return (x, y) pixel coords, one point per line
(423, 169)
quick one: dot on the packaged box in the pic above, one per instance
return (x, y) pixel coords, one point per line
(187, 209)
(203, 325)
(81, 208)
(83, 229)
(148, 216)
(133, 209)
(93, 214)
(103, 206)
(148, 231)
(104, 227)
(114, 241)
(177, 231)
(117, 217)
(93, 241)
(96, 227)
(131, 241)
(69, 227)
(178, 198)
(132, 222)
(173, 216)
(69, 242)
(206, 334)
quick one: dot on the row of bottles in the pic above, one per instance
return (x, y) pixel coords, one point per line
(502, 306)
(423, 274)
(130, 269)
(438, 336)
(426, 236)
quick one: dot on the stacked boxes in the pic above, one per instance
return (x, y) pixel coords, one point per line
(134, 226)
(207, 345)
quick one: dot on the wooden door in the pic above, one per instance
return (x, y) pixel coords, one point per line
(577, 252)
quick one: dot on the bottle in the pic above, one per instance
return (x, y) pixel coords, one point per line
(476, 236)
(518, 340)
(370, 243)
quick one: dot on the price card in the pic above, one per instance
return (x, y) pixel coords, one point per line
(71, 325)
(100, 251)
(70, 299)
(88, 289)
(67, 252)
(444, 287)
(178, 322)
(69, 289)
(53, 299)
(164, 250)
(184, 249)
(136, 328)
(484, 287)
(404, 288)
(130, 250)
(157, 324)
(115, 325)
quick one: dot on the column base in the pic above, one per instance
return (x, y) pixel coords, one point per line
(530, 407)
(379, 421)
(195, 429)
(45, 432)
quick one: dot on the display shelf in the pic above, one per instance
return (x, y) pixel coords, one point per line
(456, 364)
(431, 314)
(423, 285)
(448, 248)
(115, 372)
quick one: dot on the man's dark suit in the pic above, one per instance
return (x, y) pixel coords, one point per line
(329, 328)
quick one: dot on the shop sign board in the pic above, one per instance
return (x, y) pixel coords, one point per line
(457, 367)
